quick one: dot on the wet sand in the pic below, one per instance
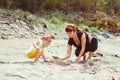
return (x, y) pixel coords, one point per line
(14, 64)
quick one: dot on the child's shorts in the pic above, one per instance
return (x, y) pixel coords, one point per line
(33, 53)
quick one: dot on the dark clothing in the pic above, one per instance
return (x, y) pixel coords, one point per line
(89, 46)
(93, 47)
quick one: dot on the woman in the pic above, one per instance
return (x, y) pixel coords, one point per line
(82, 42)
(37, 49)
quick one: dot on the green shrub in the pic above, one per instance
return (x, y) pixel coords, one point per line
(38, 21)
(95, 30)
(86, 28)
(55, 20)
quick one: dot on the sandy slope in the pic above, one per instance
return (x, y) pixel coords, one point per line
(105, 64)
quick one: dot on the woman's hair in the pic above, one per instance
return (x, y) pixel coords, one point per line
(71, 27)
(48, 37)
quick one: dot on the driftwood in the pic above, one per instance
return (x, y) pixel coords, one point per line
(24, 62)
(58, 62)
(5, 22)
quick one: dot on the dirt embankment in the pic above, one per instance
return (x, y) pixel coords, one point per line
(12, 27)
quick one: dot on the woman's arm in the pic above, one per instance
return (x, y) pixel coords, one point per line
(69, 49)
(68, 52)
(83, 43)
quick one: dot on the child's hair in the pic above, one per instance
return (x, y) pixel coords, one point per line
(48, 37)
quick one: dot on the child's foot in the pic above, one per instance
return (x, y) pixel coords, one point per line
(45, 61)
(37, 61)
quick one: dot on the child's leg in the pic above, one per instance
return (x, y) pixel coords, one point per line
(90, 56)
(38, 55)
(43, 56)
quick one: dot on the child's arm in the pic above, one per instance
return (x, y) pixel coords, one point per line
(43, 56)
(35, 44)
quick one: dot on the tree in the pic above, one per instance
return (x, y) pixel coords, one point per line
(110, 1)
(95, 5)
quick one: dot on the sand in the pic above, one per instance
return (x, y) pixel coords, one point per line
(14, 64)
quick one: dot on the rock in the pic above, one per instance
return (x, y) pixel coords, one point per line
(11, 37)
(117, 34)
(103, 36)
(91, 63)
(4, 36)
(107, 35)
(116, 56)
(99, 37)
(55, 34)
(82, 62)
(98, 54)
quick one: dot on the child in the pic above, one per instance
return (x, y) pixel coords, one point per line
(37, 49)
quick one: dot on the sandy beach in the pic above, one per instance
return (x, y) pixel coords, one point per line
(14, 64)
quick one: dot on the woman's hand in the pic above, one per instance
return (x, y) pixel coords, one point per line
(55, 57)
(76, 61)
